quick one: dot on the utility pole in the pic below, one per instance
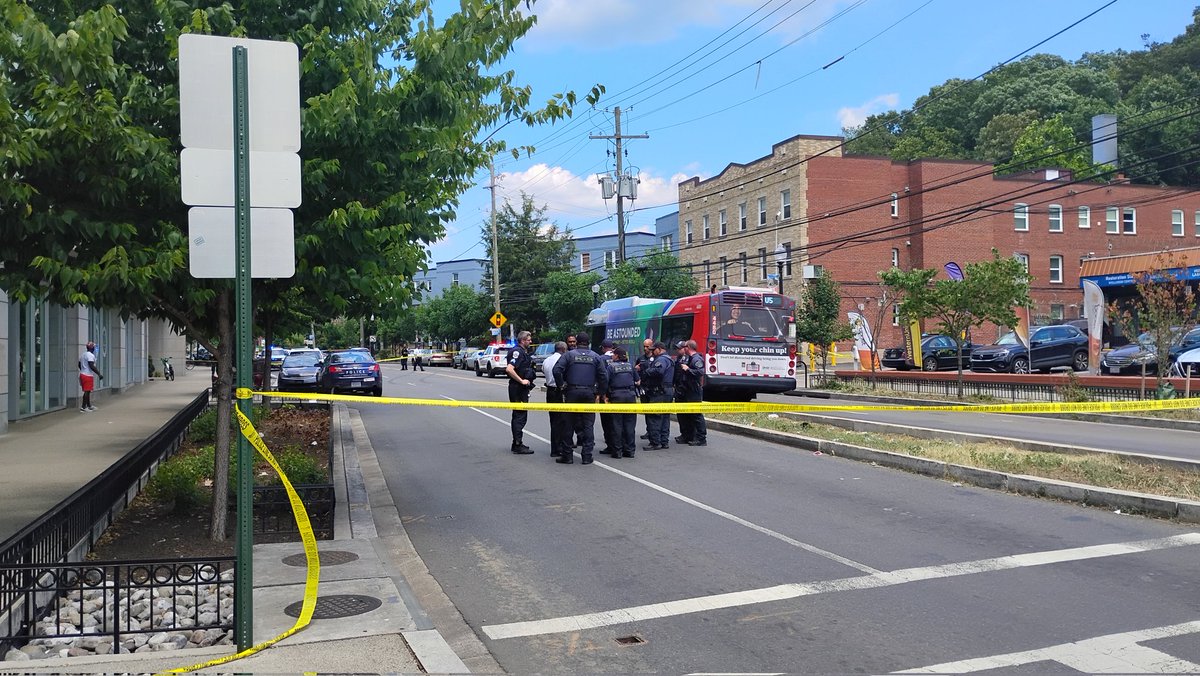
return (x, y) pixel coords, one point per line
(495, 241)
(624, 184)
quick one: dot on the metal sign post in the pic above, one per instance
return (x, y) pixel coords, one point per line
(244, 575)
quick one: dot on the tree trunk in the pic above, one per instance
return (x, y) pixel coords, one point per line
(225, 355)
(268, 329)
(958, 344)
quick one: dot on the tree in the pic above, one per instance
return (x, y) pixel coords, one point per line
(818, 316)
(1048, 143)
(567, 300)
(89, 126)
(655, 274)
(1163, 310)
(530, 248)
(988, 292)
(877, 310)
(460, 312)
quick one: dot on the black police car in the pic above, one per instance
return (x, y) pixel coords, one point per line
(350, 371)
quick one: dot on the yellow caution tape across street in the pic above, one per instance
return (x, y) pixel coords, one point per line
(313, 574)
(750, 406)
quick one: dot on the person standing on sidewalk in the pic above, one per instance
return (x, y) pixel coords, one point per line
(87, 376)
(520, 381)
(559, 442)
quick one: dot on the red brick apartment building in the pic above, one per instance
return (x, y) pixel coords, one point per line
(854, 216)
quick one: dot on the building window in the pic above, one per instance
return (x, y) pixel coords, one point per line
(1023, 259)
(453, 279)
(1129, 221)
(762, 211)
(666, 243)
(895, 314)
(610, 259)
(707, 276)
(762, 257)
(706, 229)
(722, 224)
(1112, 224)
(745, 271)
(1055, 213)
(785, 204)
(1177, 223)
(585, 261)
(787, 259)
(1085, 218)
(1056, 273)
(1056, 313)
(1021, 217)
(742, 217)
(724, 272)
(895, 258)
(895, 205)
(1196, 224)
(687, 225)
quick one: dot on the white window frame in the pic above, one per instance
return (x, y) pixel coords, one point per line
(722, 224)
(1196, 224)
(1057, 309)
(705, 229)
(1085, 218)
(1054, 213)
(895, 314)
(762, 259)
(895, 258)
(585, 261)
(666, 242)
(1177, 222)
(1112, 221)
(895, 206)
(688, 231)
(742, 217)
(724, 263)
(787, 261)
(1023, 259)
(1129, 218)
(1021, 217)
(745, 270)
(610, 259)
(453, 279)
(707, 275)
(785, 203)
(762, 211)
(1056, 269)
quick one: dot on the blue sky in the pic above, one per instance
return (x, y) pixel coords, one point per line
(754, 77)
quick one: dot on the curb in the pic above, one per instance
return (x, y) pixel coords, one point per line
(1187, 511)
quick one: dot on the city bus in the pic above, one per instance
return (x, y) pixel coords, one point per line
(747, 336)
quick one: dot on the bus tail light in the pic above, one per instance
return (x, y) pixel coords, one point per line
(712, 368)
(791, 350)
(712, 359)
(791, 372)
(712, 346)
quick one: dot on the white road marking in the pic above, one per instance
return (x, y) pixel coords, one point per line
(1114, 653)
(713, 510)
(790, 591)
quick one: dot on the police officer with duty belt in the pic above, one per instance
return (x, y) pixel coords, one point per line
(583, 377)
(644, 361)
(520, 382)
(622, 389)
(658, 380)
(689, 387)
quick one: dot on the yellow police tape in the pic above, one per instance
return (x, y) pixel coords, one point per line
(310, 552)
(748, 407)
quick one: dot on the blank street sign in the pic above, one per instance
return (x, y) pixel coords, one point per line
(206, 178)
(212, 245)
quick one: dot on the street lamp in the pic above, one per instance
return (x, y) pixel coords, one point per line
(781, 256)
(595, 295)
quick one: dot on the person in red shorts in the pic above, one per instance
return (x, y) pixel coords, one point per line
(87, 377)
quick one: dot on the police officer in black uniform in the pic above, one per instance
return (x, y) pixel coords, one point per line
(658, 380)
(689, 388)
(622, 389)
(643, 361)
(606, 419)
(520, 382)
(581, 372)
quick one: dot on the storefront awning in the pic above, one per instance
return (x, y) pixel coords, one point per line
(1121, 270)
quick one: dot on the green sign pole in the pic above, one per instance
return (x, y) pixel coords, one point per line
(244, 581)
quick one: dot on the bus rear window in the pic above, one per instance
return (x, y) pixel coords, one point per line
(751, 322)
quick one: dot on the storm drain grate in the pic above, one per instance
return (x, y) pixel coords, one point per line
(333, 607)
(332, 557)
(630, 640)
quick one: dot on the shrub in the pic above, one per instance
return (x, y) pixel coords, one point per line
(203, 429)
(1073, 390)
(177, 481)
(299, 467)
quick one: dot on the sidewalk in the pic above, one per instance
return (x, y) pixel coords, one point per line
(372, 557)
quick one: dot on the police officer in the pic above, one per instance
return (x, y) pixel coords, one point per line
(658, 379)
(404, 357)
(606, 419)
(559, 441)
(640, 365)
(622, 389)
(689, 388)
(584, 378)
(520, 381)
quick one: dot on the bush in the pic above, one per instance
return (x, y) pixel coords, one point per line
(177, 481)
(1073, 390)
(203, 429)
(300, 468)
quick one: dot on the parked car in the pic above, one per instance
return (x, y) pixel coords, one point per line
(471, 360)
(350, 371)
(1190, 341)
(437, 358)
(1187, 363)
(1049, 346)
(277, 356)
(299, 371)
(492, 361)
(1130, 359)
(937, 352)
(539, 357)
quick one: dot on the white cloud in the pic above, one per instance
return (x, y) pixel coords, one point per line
(854, 117)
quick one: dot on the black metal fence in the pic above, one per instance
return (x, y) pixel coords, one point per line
(114, 607)
(273, 519)
(1005, 391)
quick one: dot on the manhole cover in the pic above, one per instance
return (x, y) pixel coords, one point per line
(342, 605)
(332, 557)
(631, 640)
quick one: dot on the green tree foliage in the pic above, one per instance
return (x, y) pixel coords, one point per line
(656, 274)
(566, 300)
(530, 248)
(818, 316)
(988, 292)
(460, 312)
(1164, 308)
(1049, 142)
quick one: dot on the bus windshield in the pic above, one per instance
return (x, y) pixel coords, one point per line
(737, 321)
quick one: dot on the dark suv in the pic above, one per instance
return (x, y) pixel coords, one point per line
(1049, 346)
(350, 371)
(539, 357)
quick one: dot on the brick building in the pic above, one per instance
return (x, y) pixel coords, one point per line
(854, 216)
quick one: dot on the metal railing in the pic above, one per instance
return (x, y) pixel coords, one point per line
(1006, 391)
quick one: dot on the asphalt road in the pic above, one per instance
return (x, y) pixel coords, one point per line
(1125, 438)
(747, 557)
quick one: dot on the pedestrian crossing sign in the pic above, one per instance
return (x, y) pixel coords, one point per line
(498, 320)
